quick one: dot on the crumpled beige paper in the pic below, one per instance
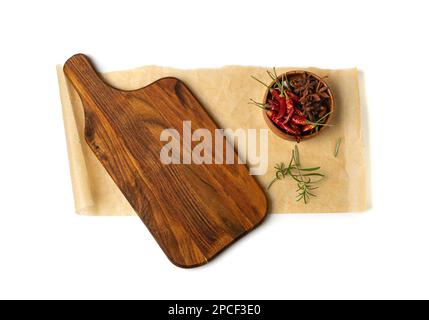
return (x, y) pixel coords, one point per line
(225, 93)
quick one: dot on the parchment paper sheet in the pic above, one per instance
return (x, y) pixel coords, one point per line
(225, 93)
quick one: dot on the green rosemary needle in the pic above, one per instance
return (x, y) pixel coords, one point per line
(337, 147)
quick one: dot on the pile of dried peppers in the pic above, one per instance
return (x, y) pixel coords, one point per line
(298, 106)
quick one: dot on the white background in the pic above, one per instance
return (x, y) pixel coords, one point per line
(47, 251)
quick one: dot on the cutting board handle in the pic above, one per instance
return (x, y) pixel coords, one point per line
(83, 76)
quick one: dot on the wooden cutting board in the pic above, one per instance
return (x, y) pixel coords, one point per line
(193, 210)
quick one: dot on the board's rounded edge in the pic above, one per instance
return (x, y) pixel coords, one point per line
(232, 242)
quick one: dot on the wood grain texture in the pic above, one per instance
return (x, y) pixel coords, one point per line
(193, 211)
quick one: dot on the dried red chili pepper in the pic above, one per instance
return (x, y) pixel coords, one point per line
(293, 96)
(298, 131)
(290, 110)
(295, 127)
(274, 105)
(290, 105)
(299, 120)
(291, 130)
(308, 127)
(282, 103)
(275, 94)
(299, 112)
(281, 125)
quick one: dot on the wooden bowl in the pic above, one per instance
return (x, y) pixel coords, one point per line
(282, 134)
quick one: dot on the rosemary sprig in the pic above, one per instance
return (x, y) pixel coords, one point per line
(286, 83)
(275, 72)
(273, 75)
(320, 121)
(337, 147)
(304, 177)
(264, 84)
(264, 106)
